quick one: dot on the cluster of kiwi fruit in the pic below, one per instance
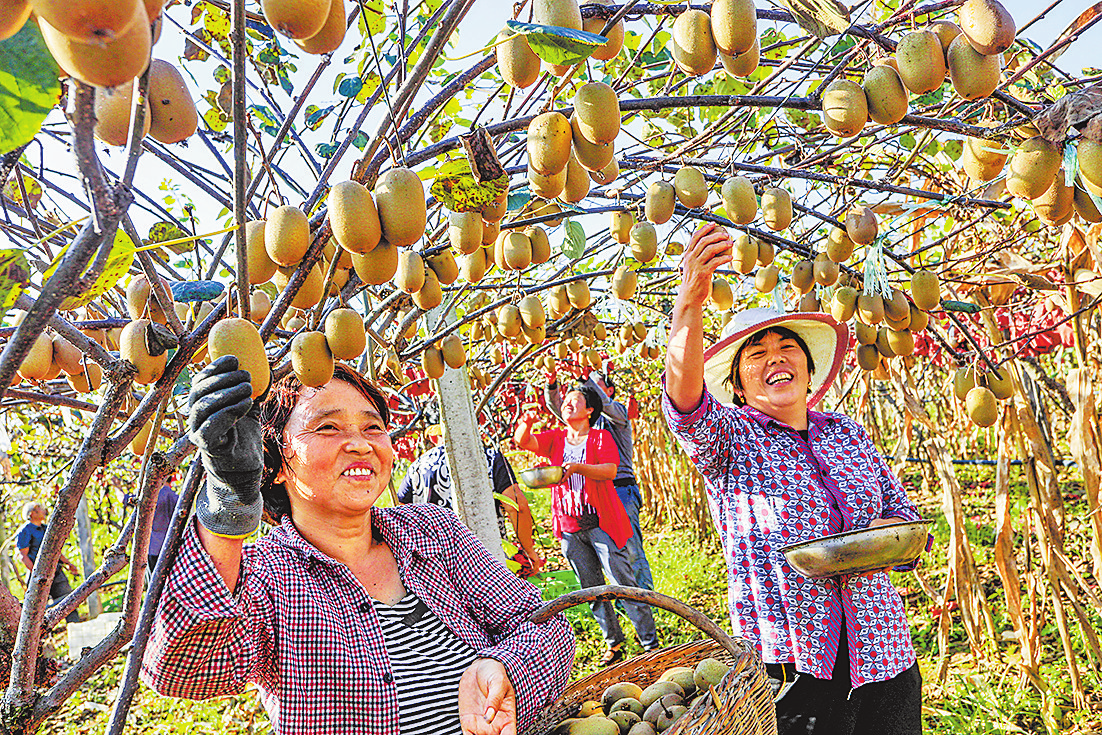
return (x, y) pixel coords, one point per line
(968, 52)
(982, 391)
(52, 355)
(729, 31)
(625, 708)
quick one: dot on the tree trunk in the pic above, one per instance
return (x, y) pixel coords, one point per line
(87, 554)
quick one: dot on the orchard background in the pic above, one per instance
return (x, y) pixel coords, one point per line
(246, 125)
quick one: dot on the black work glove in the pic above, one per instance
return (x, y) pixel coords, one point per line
(224, 423)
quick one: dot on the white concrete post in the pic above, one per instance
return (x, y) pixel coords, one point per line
(87, 555)
(472, 493)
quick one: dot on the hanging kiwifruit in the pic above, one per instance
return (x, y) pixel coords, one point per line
(845, 108)
(508, 320)
(644, 242)
(1055, 206)
(549, 186)
(864, 333)
(722, 296)
(548, 141)
(353, 217)
(451, 349)
(239, 337)
(430, 295)
(443, 264)
(173, 113)
(987, 25)
(577, 292)
(113, 106)
(558, 302)
(39, 360)
(1033, 168)
(999, 383)
(517, 62)
(400, 202)
(964, 380)
(919, 319)
(871, 308)
(615, 35)
(689, 183)
(974, 75)
(660, 201)
(593, 157)
(826, 270)
(577, 183)
(897, 307)
(107, 61)
(620, 224)
(868, 357)
(345, 333)
(624, 282)
(946, 31)
(432, 363)
(982, 406)
(765, 280)
(925, 290)
(378, 266)
(843, 305)
(332, 32)
(734, 25)
(803, 276)
(901, 341)
(861, 225)
(532, 312)
(776, 208)
(516, 249)
(1083, 205)
(286, 235)
(766, 252)
(598, 111)
(744, 254)
(744, 64)
(839, 246)
(739, 200)
(808, 302)
(694, 48)
(983, 159)
(607, 174)
(311, 360)
(410, 275)
(885, 94)
(920, 61)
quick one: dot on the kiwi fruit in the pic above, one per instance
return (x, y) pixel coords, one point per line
(734, 25)
(644, 242)
(620, 224)
(593, 157)
(239, 337)
(744, 253)
(261, 266)
(861, 225)
(1084, 206)
(465, 231)
(508, 320)
(378, 266)
(987, 25)
(925, 290)
(354, 218)
(1033, 168)
(331, 35)
(919, 319)
(516, 249)
(260, 304)
(744, 64)
(843, 305)
(140, 302)
(606, 175)
(845, 108)
(803, 276)
(690, 186)
(107, 62)
(541, 245)
(694, 48)
(974, 76)
(39, 359)
(87, 21)
(577, 184)
(722, 295)
(311, 360)
(410, 276)
(532, 313)
(839, 246)
(577, 293)
(982, 406)
(598, 110)
(624, 282)
(547, 187)
(864, 333)
(766, 252)
(1055, 206)
(173, 113)
(133, 348)
(66, 355)
(739, 200)
(1089, 153)
(776, 208)
(885, 94)
(897, 307)
(920, 61)
(615, 35)
(311, 290)
(13, 15)
(345, 334)
(518, 63)
(765, 280)
(112, 108)
(296, 19)
(549, 139)
(825, 270)
(999, 383)
(946, 31)
(868, 357)
(808, 302)
(983, 159)
(901, 341)
(496, 209)
(432, 362)
(86, 380)
(286, 235)
(490, 233)
(871, 308)
(400, 201)
(660, 201)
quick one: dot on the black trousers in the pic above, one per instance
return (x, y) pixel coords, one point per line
(813, 706)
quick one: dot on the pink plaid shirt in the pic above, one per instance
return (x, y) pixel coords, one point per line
(302, 628)
(768, 488)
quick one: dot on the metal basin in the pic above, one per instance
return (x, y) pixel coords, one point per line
(538, 477)
(860, 551)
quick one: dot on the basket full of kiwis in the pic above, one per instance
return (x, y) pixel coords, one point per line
(714, 686)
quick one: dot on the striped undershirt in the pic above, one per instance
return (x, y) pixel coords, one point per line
(427, 661)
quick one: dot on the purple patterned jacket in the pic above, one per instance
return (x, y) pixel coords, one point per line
(305, 632)
(766, 490)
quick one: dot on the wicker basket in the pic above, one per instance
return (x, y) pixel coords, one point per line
(742, 703)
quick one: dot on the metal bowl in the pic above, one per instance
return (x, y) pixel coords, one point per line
(860, 551)
(538, 477)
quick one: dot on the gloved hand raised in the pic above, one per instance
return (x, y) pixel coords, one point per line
(223, 422)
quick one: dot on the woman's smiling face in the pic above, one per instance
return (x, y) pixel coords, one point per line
(337, 452)
(774, 376)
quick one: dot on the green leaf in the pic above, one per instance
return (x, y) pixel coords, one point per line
(29, 88)
(15, 275)
(456, 188)
(555, 45)
(119, 261)
(350, 86)
(573, 245)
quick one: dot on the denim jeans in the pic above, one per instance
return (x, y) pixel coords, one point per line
(632, 500)
(592, 552)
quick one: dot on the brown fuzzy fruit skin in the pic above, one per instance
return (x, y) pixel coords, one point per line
(694, 49)
(1033, 168)
(987, 25)
(644, 242)
(87, 21)
(311, 359)
(722, 296)
(170, 105)
(624, 282)
(354, 218)
(518, 63)
(331, 35)
(734, 25)
(739, 200)
(839, 245)
(660, 201)
(13, 14)
(296, 19)
(861, 225)
(982, 406)
(983, 159)
(921, 62)
(974, 76)
(845, 108)
(885, 94)
(598, 111)
(549, 138)
(113, 106)
(1056, 205)
(925, 290)
(776, 208)
(692, 189)
(1090, 162)
(615, 36)
(132, 347)
(1085, 207)
(102, 64)
(946, 31)
(400, 200)
(744, 64)
(287, 235)
(744, 253)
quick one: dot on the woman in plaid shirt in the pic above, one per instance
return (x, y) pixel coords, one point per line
(349, 618)
(777, 473)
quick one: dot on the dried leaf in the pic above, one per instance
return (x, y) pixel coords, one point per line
(1071, 111)
(821, 18)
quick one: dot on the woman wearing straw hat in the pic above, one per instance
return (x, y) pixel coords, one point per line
(778, 473)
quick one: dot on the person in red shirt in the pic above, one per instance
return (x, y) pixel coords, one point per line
(348, 618)
(586, 513)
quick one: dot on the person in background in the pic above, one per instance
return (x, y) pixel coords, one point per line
(614, 419)
(586, 512)
(777, 473)
(428, 480)
(29, 541)
(162, 516)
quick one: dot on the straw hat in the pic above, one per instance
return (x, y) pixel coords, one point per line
(825, 338)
